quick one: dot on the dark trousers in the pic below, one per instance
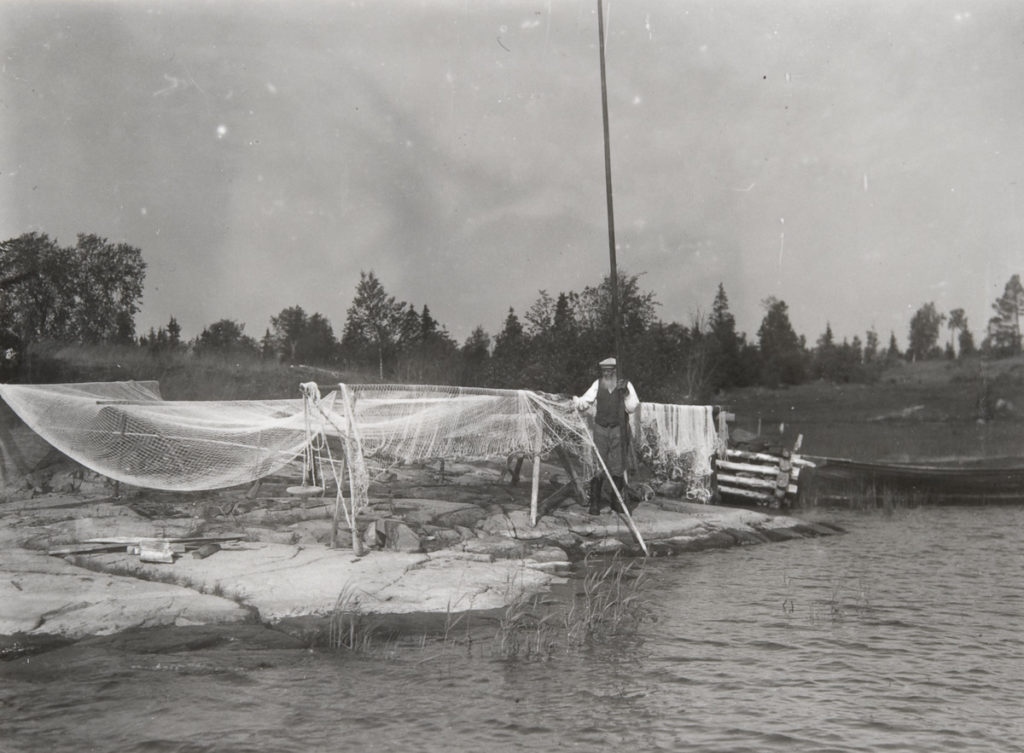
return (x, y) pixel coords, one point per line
(608, 440)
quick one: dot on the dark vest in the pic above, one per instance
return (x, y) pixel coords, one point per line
(609, 407)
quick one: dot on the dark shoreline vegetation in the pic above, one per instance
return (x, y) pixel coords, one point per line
(90, 293)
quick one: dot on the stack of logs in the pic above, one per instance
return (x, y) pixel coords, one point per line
(760, 478)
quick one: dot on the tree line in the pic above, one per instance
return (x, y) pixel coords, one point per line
(91, 292)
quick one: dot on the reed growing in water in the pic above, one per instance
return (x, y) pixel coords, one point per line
(607, 604)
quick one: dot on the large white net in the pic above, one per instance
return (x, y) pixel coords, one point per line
(414, 423)
(127, 432)
(677, 444)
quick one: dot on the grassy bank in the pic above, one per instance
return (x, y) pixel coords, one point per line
(936, 410)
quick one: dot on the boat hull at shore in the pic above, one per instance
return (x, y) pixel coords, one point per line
(840, 481)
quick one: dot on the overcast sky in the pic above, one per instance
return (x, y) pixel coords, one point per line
(855, 159)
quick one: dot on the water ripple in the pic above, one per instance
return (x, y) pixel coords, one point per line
(900, 635)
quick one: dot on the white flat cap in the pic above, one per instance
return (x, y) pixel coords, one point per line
(608, 363)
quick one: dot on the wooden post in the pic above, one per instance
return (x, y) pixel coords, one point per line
(351, 438)
(535, 487)
(337, 502)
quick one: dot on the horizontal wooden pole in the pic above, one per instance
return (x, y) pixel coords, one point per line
(446, 390)
(794, 459)
(761, 470)
(756, 483)
(746, 493)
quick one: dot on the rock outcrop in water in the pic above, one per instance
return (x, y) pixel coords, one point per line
(461, 543)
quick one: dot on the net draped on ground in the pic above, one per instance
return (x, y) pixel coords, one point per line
(348, 436)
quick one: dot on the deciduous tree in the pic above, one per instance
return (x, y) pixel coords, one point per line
(109, 286)
(300, 338)
(957, 322)
(287, 329)
(637, 308)
(225, 336)
(924, 333)
(89, 293)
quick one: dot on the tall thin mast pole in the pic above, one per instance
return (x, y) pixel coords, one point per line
(608, 191)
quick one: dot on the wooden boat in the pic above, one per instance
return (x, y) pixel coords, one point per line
(841, 481)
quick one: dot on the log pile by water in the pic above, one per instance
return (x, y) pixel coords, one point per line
(764, 479)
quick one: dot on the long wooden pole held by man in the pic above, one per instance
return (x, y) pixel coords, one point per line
(614, 277)
(616, 326)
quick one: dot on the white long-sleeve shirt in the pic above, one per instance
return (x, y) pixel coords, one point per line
(586, 401)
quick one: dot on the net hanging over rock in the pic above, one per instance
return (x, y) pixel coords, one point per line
(678, 443)
(127, 432)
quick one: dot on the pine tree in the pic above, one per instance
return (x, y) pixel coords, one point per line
(510, 348)
(781, 350)
(893, 351)
(1004, 335)
(476, 353)
(373, 321)
(725, 345)
(870, 346)
(173, 333)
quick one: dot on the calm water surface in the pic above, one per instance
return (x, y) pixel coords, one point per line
(902, 635)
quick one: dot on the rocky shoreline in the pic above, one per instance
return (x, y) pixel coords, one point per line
(436, 541)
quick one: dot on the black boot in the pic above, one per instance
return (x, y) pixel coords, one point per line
(595, 496)
(620, 484)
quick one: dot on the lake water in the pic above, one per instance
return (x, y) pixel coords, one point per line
(904, 634)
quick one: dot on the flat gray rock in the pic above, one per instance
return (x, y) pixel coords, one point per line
(45, 595)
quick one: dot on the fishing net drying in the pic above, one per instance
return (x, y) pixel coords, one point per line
(127, 432)
(677, 443)
(408, 424)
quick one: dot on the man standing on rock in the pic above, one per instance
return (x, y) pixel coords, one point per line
(615, 400)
